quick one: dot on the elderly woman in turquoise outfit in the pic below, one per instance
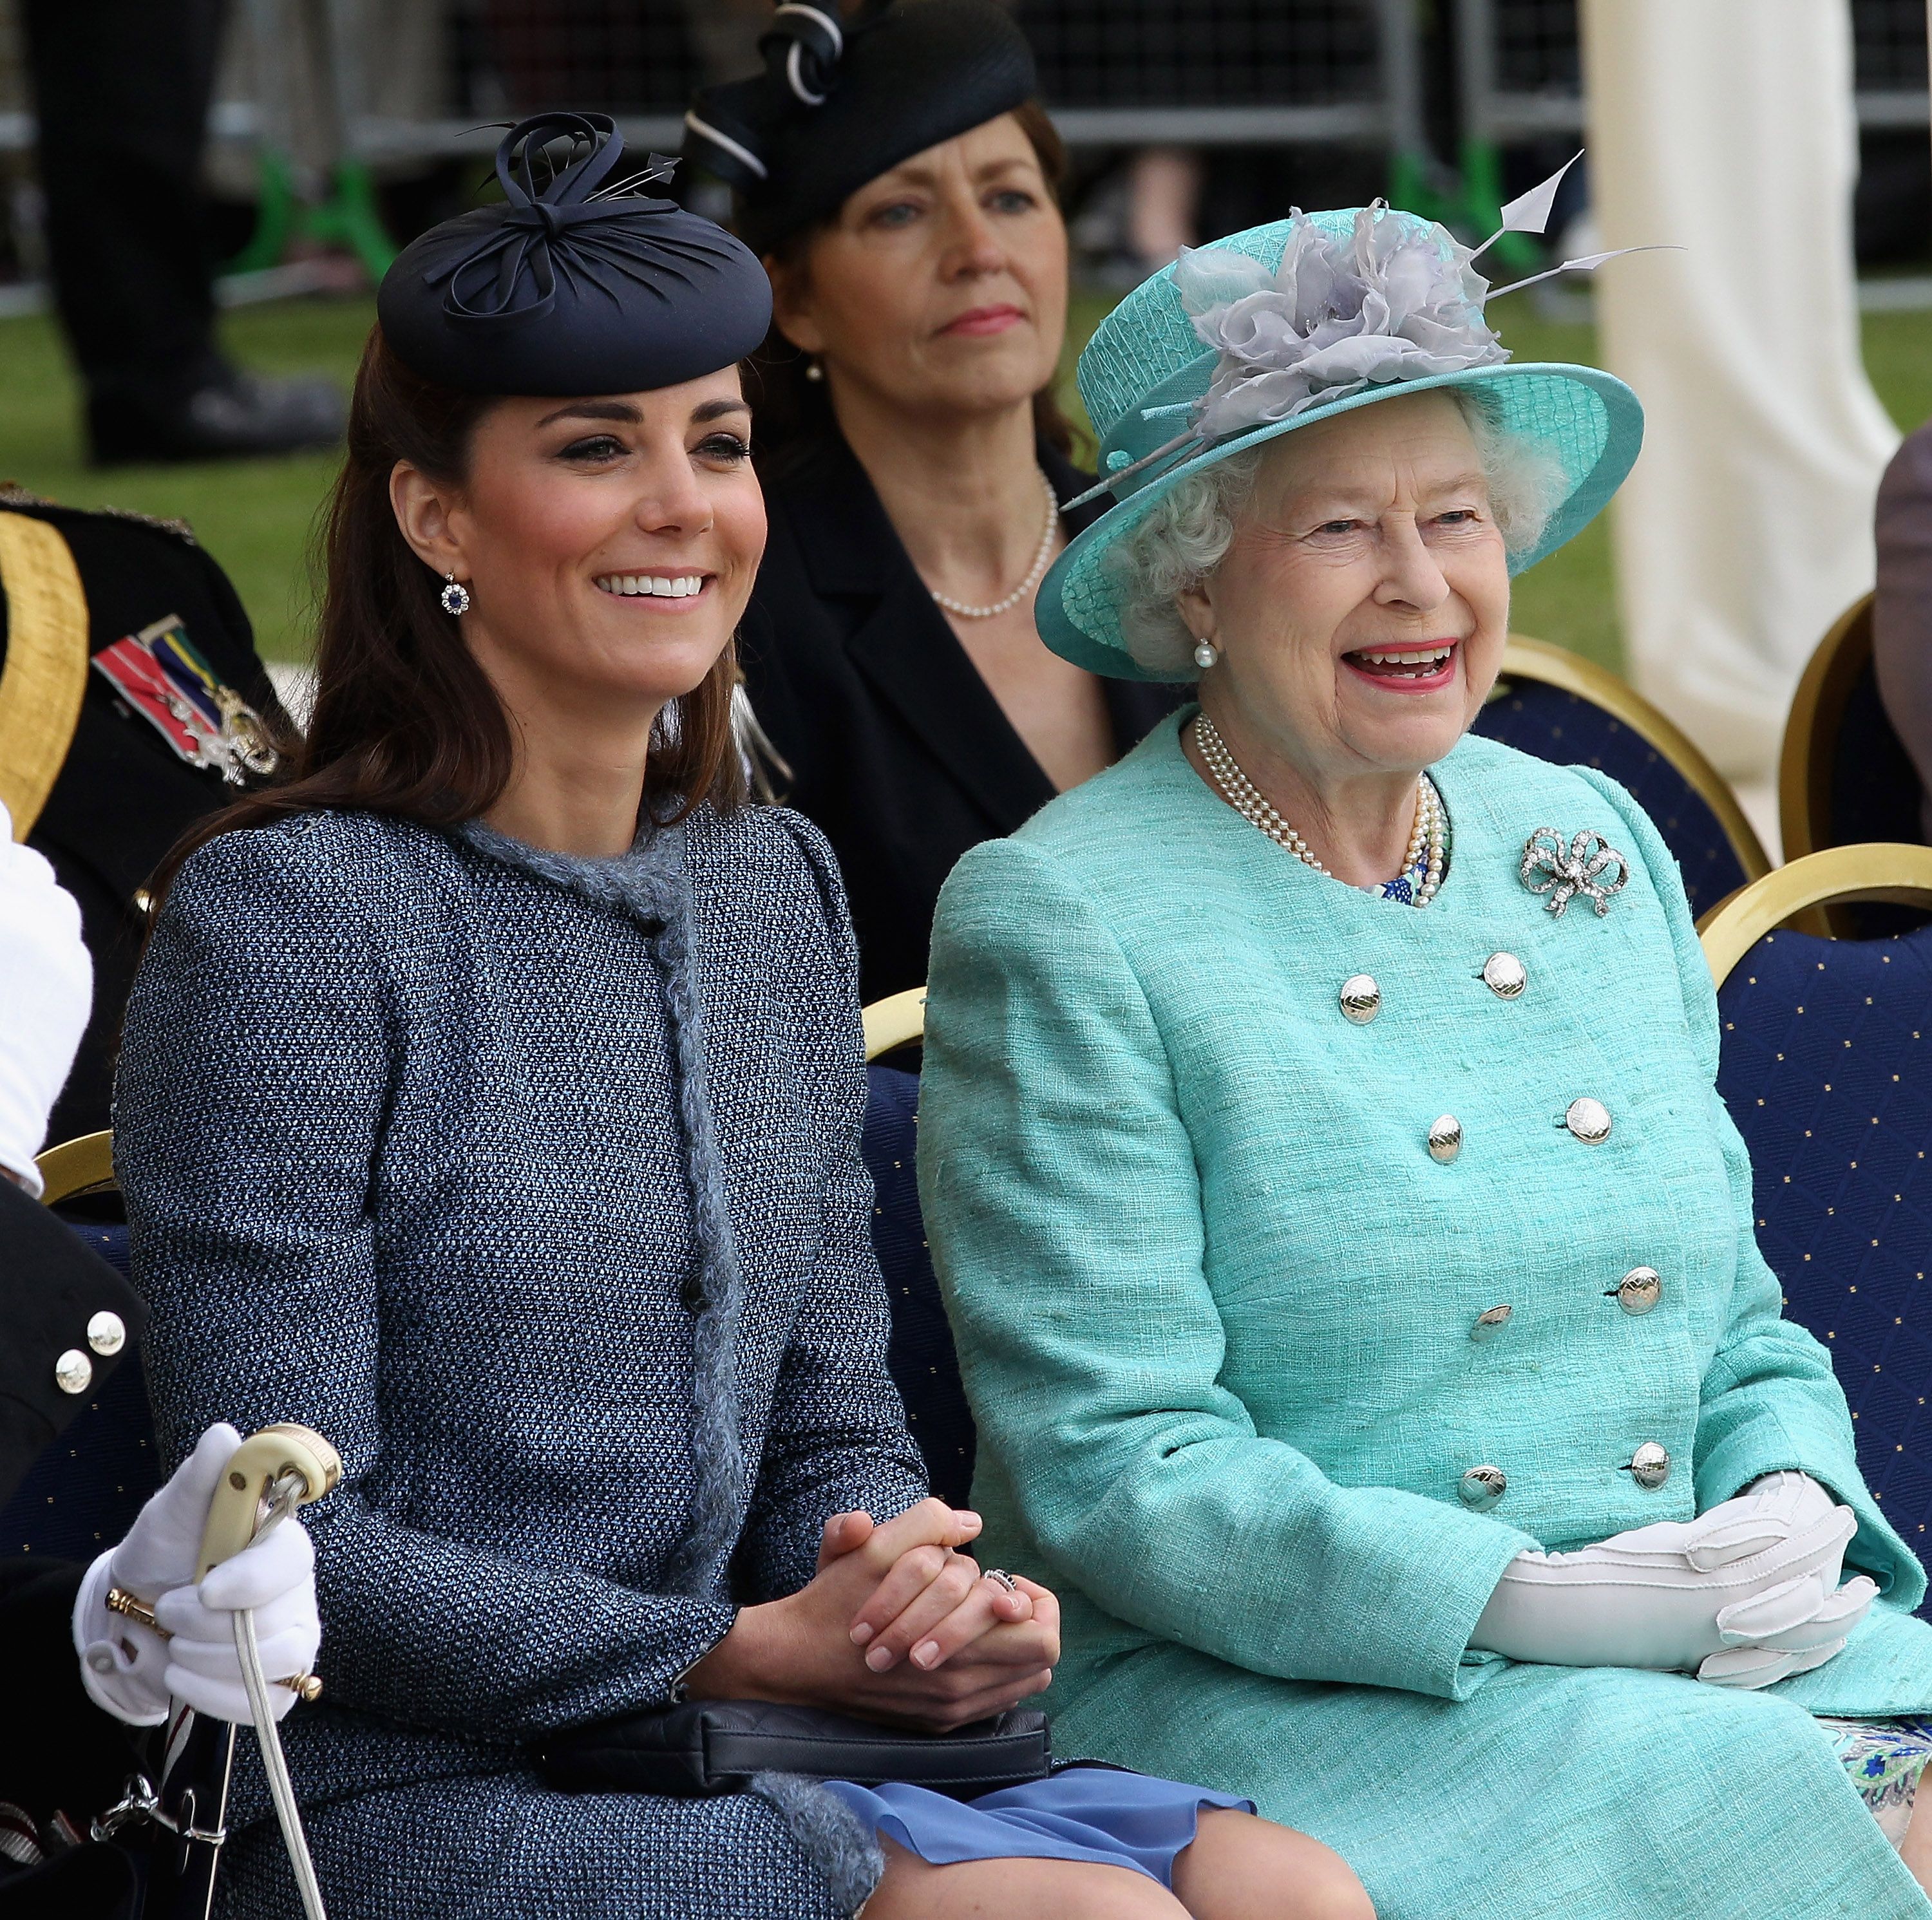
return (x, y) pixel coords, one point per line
(1351, 1259)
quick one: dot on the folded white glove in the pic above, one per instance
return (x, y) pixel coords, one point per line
(47, 987)
(274, 1575)
(1761, 1662)
(1743, 1595)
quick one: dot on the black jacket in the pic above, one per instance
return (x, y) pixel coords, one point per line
(123, 796)
(57, 1748)
(53, 1285)
(898, 750)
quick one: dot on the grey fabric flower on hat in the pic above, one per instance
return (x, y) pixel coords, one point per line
(1396, 300)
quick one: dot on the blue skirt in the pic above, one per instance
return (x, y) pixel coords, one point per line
(1095, 1814)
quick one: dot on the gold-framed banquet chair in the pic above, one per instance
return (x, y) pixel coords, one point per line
(1843, 776)
(923, 1362)
(1826, 1063)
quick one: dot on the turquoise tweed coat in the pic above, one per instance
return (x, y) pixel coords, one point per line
(1214, 1299)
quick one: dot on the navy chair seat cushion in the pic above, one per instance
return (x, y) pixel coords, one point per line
(1560, 726)
(923, 1364)
(82, 1493)
(1827, 1068)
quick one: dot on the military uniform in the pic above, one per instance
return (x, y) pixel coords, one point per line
(132, 704)
(67, 1320)
(136, 775)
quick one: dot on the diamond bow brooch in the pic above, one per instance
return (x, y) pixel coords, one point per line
(1580, 868)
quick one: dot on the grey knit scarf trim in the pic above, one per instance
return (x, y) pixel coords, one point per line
(651, 884)
(845, 1850)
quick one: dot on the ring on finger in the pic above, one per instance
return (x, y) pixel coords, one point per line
(1004, 1579)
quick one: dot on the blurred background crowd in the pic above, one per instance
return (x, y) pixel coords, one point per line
(204, 191)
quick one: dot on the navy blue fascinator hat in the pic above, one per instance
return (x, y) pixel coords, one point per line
(841, 102)
(574, 282)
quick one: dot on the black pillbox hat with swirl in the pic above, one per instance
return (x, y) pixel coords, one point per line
(840, 103)
(573, 283)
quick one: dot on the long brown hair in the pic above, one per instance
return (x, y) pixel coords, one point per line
(790, 409)
(406, 723)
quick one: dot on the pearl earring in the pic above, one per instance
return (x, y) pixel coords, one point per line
(1206, 653)
(455, 596)
(813, 371)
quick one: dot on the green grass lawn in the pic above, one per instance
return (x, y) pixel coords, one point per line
(257, 517)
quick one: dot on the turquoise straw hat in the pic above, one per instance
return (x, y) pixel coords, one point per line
(1281, 326)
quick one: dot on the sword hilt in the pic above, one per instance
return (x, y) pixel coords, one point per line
(270, 1474)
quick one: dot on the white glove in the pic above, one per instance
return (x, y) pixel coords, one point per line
(123, 1665)
(1799, 1500)
(162, 1548)
(47, 987)
(131, 1671)
(1743, 1595)
(275, 1575)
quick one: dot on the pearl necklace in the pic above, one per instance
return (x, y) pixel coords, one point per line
(1426, 842)
(1035, 573)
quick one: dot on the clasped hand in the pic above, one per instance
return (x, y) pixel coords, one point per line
(898, 1625)
(1743, 1596)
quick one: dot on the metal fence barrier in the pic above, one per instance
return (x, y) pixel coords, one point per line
(1520, 68)
(318, 96)
(1203, 72)
(1114, 72)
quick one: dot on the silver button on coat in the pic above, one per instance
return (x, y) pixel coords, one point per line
(1445, 1138)
(1361, 999)
(1639, 1290)
(1649, 1466)
(106, 1333)
(1588, 1119)
(1504, 975)
(1491, 1323)
(1482, 1487)
(73, 1372)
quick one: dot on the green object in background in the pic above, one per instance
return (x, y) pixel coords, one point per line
(258, 517)
(1481, 210)
(275, 211)
(1409, 189)
(349, 217)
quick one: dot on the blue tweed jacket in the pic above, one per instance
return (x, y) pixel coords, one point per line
(534, 1185)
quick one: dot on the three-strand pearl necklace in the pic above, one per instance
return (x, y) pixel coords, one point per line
(1426, 843)
(1035, 573)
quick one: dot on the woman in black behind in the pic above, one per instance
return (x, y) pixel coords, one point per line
(899, 181)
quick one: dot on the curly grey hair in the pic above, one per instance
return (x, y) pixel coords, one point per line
(1185, 537)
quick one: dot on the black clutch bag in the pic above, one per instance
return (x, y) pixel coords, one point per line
(705, 1746)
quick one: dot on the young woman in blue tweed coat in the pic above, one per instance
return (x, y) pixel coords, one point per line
(1351, 1258)
(490, 1101)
